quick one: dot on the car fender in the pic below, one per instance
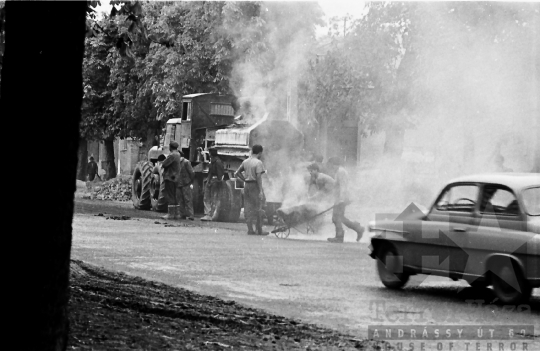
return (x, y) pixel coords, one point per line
(385, 238)
(491, 258)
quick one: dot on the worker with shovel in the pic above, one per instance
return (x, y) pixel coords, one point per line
(341, 200)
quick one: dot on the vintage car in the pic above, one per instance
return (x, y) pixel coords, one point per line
(484, 229)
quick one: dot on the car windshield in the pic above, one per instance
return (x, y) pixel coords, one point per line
(531, 200)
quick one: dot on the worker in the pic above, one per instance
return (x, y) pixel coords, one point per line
(185, 188)
(254, 198)
(212, 185)
(322, 185)
(91, 169)
(341, 200)
(318, 159)
(171, 175)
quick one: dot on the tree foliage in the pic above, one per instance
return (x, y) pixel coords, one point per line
(399, 61)
(142, 59)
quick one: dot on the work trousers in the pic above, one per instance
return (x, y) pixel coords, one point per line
(185, 200)
(211, 191)
(171, 193)
(338, 217)
(180, 195)
(252, 205)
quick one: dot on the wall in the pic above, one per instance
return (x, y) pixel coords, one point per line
(127, 153)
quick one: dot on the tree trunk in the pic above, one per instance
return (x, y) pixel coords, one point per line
(109, 164)
(83, 159)
(41, 95)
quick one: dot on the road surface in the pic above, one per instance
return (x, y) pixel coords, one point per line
(332, 285)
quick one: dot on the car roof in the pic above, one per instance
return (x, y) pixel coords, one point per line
(515, 181)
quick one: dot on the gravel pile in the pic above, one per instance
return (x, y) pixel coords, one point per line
(118, 189)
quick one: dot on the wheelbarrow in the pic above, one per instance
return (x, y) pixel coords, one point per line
(298, 215)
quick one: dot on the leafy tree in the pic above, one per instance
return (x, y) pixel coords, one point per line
(418, 59)
(168, 49)
(355, 80)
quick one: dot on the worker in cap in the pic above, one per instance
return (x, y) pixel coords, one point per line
(214, 181)
(171, 176)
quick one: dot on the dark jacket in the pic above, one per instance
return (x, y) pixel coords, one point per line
(92, 169)
(216, 168)
(186, 173)
(172, 166)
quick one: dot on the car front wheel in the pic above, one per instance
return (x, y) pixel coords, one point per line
(509, 285)
(390, 268)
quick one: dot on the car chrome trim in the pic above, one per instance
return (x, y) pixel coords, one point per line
(445, 272)
(389, 230)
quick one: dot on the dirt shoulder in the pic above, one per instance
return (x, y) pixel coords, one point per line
(115, 311)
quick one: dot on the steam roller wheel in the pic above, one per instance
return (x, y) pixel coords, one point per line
(140, 186)
(157, 188)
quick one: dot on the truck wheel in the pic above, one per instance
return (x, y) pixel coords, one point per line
(235, 197)
(509, 284)
(387, 266)
(157, 189)
(140, 186)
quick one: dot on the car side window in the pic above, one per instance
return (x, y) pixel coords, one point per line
(497, 200)
(461, 198)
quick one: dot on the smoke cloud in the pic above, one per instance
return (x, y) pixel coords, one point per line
(479, 112)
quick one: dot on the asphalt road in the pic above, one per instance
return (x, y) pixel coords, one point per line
(303, 277)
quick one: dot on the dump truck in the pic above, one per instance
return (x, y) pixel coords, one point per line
(208, 120)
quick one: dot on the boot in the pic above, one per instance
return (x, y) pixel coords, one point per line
(206, 218)
(338, 238)
(172, 212)
(359, 229)
(250, 228)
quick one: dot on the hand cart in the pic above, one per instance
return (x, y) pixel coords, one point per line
(285, 222)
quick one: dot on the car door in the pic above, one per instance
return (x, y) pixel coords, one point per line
(499, 227)
(450, 218)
